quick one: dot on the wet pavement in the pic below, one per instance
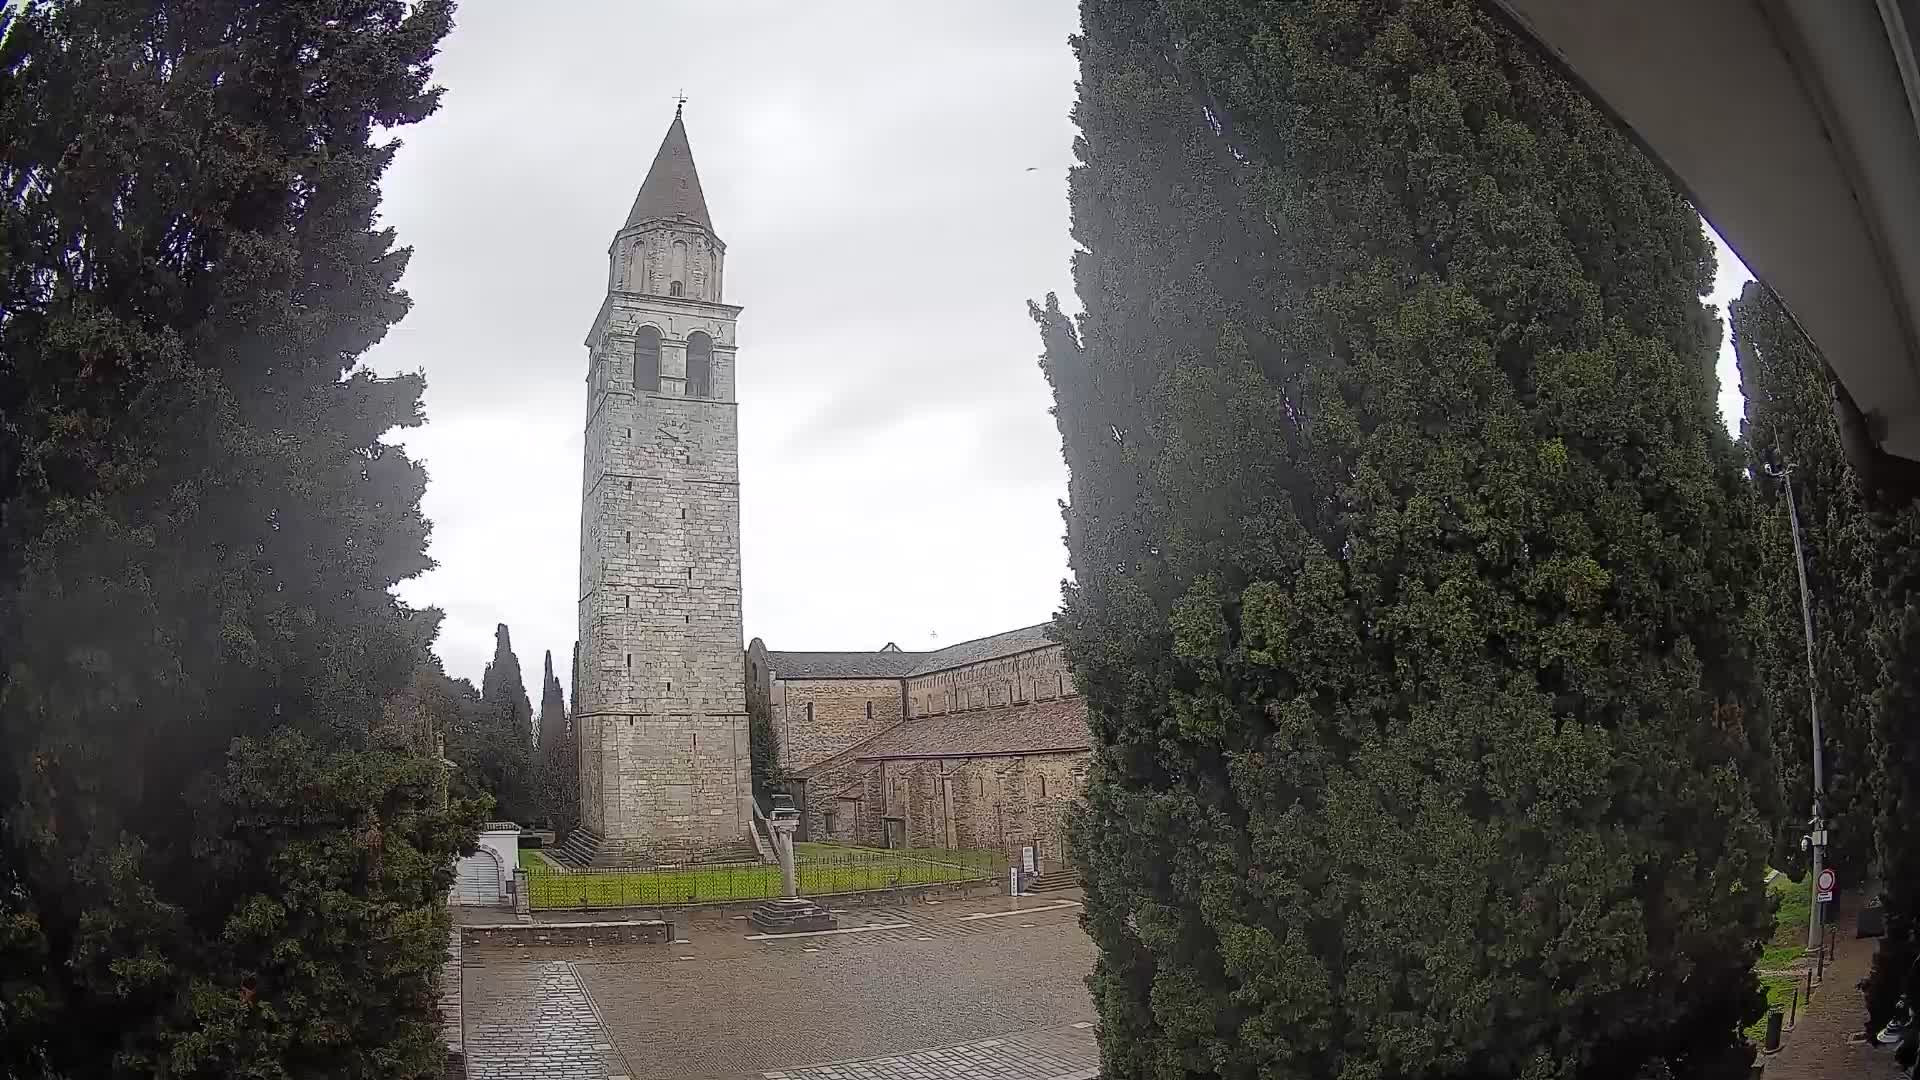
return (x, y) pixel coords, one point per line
(989, 987)
(1055, 1054)
(1826, 1042)
(534, 1020)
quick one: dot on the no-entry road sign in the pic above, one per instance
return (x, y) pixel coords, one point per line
(1825, 885)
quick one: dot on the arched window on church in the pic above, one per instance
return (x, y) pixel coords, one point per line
(699, 365)
(646, 360)
(676, 289)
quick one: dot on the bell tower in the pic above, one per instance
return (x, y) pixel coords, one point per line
(662, 721)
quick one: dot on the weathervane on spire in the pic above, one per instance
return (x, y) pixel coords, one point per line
(679, 102)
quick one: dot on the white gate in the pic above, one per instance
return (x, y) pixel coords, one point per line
(478, 880)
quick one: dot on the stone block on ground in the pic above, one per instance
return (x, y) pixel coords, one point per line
(791, 915)
(621, 932)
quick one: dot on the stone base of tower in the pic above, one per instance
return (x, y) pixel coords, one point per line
(666, 790)
(642, 853)
(588, 850)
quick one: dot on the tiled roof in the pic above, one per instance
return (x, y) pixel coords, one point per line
(894, 664)
(841, 665)
(1024, 639)
(1034, 728)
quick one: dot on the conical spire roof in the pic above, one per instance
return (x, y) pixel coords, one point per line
(672, 187)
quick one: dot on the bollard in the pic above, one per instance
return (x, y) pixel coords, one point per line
(1773, 1032)
(517, 890)
(1793, 1009)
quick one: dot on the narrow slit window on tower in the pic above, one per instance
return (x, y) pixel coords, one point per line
(646, 360)
(629, 661)
(629, 537)
(1043, 785)
(689, 573)
(869, 710)
(626, 601)
(683, 513)
(699, 365)
(809, 712)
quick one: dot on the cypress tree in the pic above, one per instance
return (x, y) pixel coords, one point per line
(502, 686)
(1863, 573)
(1409, 562)
(553, 711)
(206, 866)
(1790, 425)
(558, 771)
(505, 739)
(1896, 748)
(763, 743)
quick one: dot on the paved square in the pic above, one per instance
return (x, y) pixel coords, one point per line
(945, 995)
(534, 1020)
(1067, 1053)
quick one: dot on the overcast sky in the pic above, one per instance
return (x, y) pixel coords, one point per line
(890, 182)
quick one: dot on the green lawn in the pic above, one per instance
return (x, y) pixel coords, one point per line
(824, 870)
(1778, 975)
(1796, 905)
(1780, 987)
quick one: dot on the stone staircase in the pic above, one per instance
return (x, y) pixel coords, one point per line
(1053, 881)
(581, 850)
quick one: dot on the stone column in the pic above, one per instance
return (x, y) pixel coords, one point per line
(792, 913)
(783, 846)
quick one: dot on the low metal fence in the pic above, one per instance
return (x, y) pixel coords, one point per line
(820, 874)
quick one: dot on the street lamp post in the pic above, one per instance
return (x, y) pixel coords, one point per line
(1817, 831)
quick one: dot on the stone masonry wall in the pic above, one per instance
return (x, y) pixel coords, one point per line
(999, 803)
(645, 260)
(815, 719)
(819, 796)
(664, 758)
(1036, 675)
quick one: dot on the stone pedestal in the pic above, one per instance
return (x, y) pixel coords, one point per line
(791, 915)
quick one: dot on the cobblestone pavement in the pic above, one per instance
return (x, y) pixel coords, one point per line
(534, 1020)
(722, 1003)
(1065, 1053)
(1825, 1041)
